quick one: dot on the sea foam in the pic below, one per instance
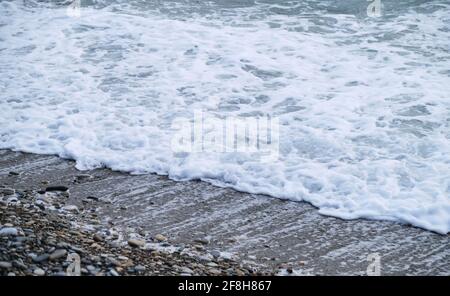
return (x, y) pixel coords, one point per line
(363, 104)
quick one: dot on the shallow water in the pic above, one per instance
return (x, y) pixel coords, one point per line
(363, 102)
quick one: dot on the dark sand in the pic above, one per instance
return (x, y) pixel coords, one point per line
(266, 230)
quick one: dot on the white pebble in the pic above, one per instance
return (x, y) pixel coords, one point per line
(8, 231)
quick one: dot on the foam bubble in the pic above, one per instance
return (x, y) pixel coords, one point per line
(363, 104)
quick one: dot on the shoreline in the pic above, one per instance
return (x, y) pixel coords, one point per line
(247, 231)
(41, 235)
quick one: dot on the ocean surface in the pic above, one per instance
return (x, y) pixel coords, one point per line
(361, 93)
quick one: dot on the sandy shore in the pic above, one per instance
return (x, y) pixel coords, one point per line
(270, 234)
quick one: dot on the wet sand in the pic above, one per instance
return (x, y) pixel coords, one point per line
(270, 232)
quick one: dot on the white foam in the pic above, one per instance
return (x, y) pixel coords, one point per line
(364, 106)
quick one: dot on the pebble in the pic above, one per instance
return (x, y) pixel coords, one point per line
(139, 268)
(62, 245)
(215, 271)
(71, 208)
(41, 236)
(8, 231)
(19, 264)
(76, 249)
(58, 254)
(98, 237)
(160, 238)
(113, 261)
(5, 265)
(7, 191)
(186, 270)
(202, 241)
(199, 247)
(95, 258)
(212, 264)
(96, 246)
(90, 268)
(56, 188)
(40, 258)
(215, 254)
(39, 272)
(136, 243)
(21, 239)
(83, 176)
(114, 244)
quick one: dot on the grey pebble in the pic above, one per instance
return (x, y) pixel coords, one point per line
(39, 272)
(7, 191)
(5, 265)
(40, 258)
(58, 254)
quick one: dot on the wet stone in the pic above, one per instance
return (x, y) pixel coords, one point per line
(136, 243)
(7, 191)
(56, 188)
(40, 258)
(160, 238)
(57, 254)
(39, 272)
(5, 265)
